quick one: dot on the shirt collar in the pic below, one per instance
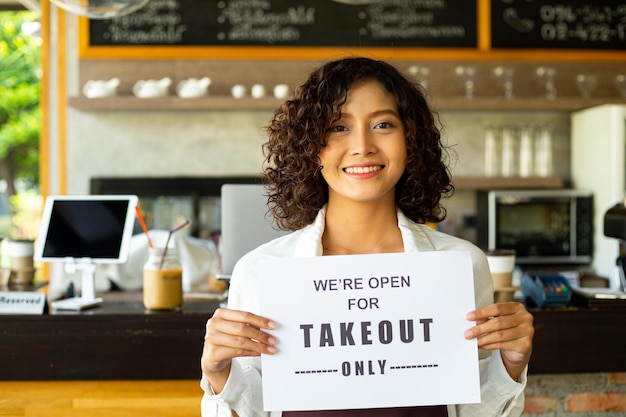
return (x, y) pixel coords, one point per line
(310, 242)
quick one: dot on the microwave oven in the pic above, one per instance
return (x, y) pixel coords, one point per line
(543, 226)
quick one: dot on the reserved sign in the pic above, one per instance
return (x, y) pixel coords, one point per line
(22, 302)
(369, 331)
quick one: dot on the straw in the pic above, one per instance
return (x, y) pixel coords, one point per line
(143, 226)
(169, 235)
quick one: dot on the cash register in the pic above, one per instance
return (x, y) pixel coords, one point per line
(615, 227)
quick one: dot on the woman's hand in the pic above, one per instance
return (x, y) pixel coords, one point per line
(231, 334)
(508, 327)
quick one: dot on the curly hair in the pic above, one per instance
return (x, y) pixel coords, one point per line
(298, 129)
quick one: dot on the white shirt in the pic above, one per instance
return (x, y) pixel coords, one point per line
(501, 396)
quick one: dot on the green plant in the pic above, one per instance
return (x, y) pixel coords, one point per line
(26, 219)
(19, 102)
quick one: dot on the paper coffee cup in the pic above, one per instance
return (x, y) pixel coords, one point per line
(21, 254)
(23, 276)
(501, 264)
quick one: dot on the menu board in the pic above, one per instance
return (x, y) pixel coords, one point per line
(566, 24)
(303, 23)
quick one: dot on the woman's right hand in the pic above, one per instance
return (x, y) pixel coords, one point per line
(231, 334)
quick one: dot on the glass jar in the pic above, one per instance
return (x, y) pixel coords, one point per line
(163, 280)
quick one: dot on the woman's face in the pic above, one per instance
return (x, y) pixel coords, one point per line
(365, 153)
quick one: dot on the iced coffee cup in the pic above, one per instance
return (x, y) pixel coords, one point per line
(163, 281)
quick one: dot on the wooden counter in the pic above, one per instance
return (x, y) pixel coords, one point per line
(576, 340)
(117, 340)
(121, 341)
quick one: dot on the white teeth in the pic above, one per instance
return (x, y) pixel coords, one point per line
(363, 170)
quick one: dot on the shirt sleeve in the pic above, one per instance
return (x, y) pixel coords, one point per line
(501, 396)
(243, 390)
(241, 393)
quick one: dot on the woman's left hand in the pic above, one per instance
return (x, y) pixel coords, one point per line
(508, 327)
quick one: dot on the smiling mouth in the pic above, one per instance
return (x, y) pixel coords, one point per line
(363, 170)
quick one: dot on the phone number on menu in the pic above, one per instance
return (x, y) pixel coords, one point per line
(588, 23)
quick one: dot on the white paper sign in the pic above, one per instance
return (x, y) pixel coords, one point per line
(18, 302)
(369, 331)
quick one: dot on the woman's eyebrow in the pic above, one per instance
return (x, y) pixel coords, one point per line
(380, 112)
(385, 111)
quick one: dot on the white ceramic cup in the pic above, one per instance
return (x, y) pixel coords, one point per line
(281, 91)
(257, 91)
(238, 91)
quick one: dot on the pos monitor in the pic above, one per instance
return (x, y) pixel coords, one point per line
(82, 231)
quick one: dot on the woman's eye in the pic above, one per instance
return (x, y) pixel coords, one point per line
(338, 128)
(383, 125)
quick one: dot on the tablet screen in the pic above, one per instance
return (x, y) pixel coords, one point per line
(97, 228)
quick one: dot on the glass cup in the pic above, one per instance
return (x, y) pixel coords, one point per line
(508, 152)
(546, 75)
(526, 152)
(163, 280)
(543, 153)
(491, 152)
(620, 84)
(586, 83)
(420, 74)
(505, 76)
(466, 76)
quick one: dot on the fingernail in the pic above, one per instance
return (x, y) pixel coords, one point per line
(271, 349)
(468, 334)
(271, 325)
(470, 316)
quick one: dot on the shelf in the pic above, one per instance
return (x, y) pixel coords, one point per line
(224, 102)
(129, 102)
(523, 103)
(500, 183)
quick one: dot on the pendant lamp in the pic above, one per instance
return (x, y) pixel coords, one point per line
(100, 9)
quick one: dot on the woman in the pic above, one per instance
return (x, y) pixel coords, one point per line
(355, 166)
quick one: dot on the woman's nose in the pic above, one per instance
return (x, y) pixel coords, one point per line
(362, 142)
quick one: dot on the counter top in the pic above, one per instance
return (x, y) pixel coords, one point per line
(120, 340)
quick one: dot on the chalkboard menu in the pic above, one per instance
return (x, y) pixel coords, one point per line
(387, 23)
(566, 24)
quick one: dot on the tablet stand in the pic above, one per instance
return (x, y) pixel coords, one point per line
(88, 297)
